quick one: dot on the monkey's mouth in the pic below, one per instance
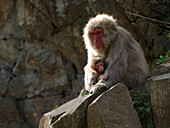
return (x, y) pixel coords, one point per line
(98, 45)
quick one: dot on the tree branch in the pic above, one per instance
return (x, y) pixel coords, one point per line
(144, 17)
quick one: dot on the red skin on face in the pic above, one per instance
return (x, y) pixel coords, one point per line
(100, 67)
(97, 36)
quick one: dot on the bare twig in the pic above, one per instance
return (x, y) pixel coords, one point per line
(19, 58)
(163, 22)
(14, 68)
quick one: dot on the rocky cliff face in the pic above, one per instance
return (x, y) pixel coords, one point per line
(42, 54)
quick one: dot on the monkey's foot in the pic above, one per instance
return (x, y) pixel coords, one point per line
(98, 87)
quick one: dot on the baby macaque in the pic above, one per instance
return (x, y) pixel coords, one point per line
(98, 67)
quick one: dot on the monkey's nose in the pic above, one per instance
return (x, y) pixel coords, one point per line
(96, 40)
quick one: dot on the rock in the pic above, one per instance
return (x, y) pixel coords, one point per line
(10, 115)
(162, 69)
(112, 108)
(43, 73)
(33, 109)
(70, 115)
(5, 75)
(159, 85)
(5, 9)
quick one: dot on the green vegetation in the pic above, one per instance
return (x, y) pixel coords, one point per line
(142, 104)
(169, 35)
(162, 58)
(55, 107)
(84, 92)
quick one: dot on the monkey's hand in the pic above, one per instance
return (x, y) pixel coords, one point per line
(104, 76)
(98, 87)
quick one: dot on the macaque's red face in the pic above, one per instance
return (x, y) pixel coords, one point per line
(100, 66)
(97, 36)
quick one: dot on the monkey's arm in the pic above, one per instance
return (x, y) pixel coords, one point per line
(116, 70)
(87, 77)
(104, 77)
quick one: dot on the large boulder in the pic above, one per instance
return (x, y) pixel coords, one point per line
(111, 109)
(159, 85)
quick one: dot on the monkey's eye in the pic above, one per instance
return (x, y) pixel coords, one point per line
(92, 33)
(97, 66)
(101, 64)
(98, 32)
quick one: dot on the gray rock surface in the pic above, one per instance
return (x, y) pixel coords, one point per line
(159, 85)
(72, 114)
(9, 111)
(111, 109)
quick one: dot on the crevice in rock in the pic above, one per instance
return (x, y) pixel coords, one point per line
(15, 66)
(91, 10)
(57, 117)
(63, 94)
(85, 116)
(22, 115)
(56, 29)
(89, 102)
(4, 38)
(47, 17)
(47, 10)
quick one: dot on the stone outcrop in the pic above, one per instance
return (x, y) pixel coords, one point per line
(159, 85)
(72, 114)
(111, 109)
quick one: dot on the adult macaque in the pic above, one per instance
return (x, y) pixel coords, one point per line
(124, 57)
(98, 67)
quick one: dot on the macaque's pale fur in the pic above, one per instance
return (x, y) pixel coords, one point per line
(124, 57)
